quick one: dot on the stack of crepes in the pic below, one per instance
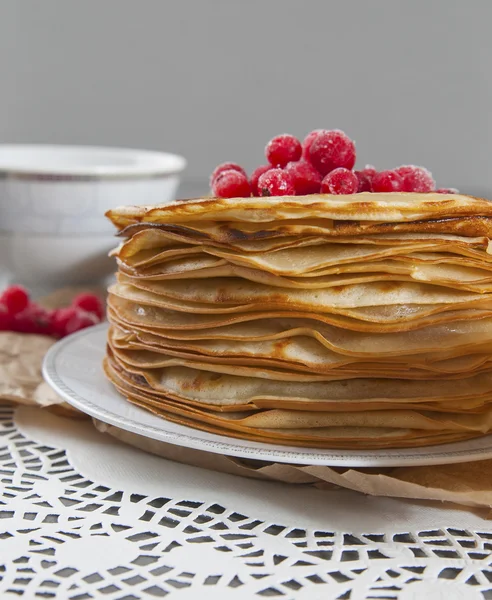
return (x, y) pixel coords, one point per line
(358, 321)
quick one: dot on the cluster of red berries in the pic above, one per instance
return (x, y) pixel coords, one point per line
(323, 162)
(19, 313)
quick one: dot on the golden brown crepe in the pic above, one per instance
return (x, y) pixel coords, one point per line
(359, 321)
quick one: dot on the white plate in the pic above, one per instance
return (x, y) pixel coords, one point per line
(73, 368)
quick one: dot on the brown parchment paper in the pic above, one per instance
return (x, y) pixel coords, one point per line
(21, 357)
(467, 484)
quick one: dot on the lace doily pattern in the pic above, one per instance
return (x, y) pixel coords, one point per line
(65, 536)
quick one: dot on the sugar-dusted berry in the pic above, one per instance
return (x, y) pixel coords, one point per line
(330, 150)
(283, 149)
(90, 303)
(33, 319)
(15, 299)
(416, 179)
(369, 171)
(227, 166)
(231, 184)
(305, 177)
(80, 320)
(60, 319)
(5, 320)
(255, 175)
(447, 191)
(276, 182)
(387, 181)
(308, 140)
(340, 181)
(364, 182)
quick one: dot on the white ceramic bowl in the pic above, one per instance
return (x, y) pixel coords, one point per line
(52, 203)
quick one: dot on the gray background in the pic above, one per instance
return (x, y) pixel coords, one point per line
(409, 80)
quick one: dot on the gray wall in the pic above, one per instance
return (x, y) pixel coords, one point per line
(409, 80)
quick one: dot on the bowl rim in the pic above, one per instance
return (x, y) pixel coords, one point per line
(19, 161)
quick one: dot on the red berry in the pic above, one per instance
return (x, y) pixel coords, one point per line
(60, 319)
(227, 166)
(283, 149)
(276, 182)
(340, 181)
(90, 303)
(330, 150)
(6, 320)
(447, 191)
(416, 179)
(255, 175)
(305, 177)
(79, 321)
(365, 178)
(308, 140)
(369, 171)
(364, 182)
(33, 319)
(387, 181)
(15, 299)
(231, 184)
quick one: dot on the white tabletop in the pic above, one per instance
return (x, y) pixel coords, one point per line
(83, 516)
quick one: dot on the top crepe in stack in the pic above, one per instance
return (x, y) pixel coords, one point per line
(358, 321)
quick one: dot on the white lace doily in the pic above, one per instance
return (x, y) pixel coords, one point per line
(83, 516)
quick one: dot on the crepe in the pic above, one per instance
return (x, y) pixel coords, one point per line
(133, 307)
(381, 429)
(327, 346)
(359, 321)
(457, 276)
(392, 207)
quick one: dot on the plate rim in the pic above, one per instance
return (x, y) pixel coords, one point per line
(450, 453)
